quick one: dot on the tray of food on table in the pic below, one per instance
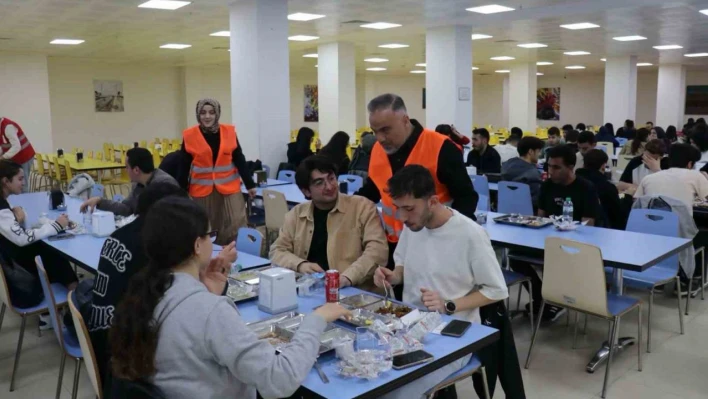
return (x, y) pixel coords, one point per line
(534, 222)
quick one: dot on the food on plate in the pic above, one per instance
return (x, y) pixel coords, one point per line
(396, 310)
(71, 225)
(274, 339)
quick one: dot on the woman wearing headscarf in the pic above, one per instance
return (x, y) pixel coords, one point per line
(606, 136)
(216, 164)
(336, 150)
(300, 149)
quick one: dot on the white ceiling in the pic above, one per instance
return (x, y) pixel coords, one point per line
(117, 30)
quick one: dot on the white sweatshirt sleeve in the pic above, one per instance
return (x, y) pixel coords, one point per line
(18, 235)
(11, 134)
(487, 273)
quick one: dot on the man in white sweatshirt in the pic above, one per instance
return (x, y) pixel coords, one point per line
(444, 259)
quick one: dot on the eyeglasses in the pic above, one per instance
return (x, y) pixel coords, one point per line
(212, 235)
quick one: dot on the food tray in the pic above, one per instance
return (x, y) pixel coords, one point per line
(376, 306)
(257, 326)
(359, 301)
(365, 318)
(293, 323)
(279, 336)
(532, 222)
(240, 298)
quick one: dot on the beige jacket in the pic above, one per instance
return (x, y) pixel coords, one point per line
(356, 243)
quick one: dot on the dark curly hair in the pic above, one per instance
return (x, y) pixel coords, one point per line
(172, 226)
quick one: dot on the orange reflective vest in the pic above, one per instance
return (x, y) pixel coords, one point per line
(26, 152)
(205, 175)
(425, 152)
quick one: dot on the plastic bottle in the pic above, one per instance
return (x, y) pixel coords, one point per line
(567, 211)
(88, 220)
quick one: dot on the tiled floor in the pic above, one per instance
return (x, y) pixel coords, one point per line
(676, 368)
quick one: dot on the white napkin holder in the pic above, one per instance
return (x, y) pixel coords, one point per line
(276, 291)
(103, 223)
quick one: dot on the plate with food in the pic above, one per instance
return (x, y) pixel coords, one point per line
(365, 318)
(390, 309)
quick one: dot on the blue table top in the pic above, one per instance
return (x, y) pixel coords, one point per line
(292, 193)
(270, 183)
(85, 250)
(493, 186)
(445, 350)
(621, 249)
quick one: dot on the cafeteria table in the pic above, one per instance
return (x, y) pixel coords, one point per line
(444, 349)
(85, 250)
(621, 250)
(89, 165)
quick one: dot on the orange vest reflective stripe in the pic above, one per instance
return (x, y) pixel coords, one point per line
(205, 175)
(425, 153)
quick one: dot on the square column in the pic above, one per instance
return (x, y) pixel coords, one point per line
(671, 96)
(336, 80)
(522, 97)
(448, 80)
(620, 90)
(260, 78)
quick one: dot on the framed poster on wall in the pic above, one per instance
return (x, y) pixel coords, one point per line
(696, 100)
(312, 107)
(548, 103)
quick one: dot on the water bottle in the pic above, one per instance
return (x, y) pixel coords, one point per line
(567, 211)
(608, 172)
(88, 217)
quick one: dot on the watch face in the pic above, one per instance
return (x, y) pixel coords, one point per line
(450, 306)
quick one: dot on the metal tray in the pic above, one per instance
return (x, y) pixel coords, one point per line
(293, 323)
(279, 336)
(361, 316)
(376, 306)
(359, 301)
(240, 298)
(532, 222)
(257, 326)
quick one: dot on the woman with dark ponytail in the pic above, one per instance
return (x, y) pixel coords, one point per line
(173, 329)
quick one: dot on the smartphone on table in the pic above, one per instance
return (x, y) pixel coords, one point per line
(411, 359)
(456, 328)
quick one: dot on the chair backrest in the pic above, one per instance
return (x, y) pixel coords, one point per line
(515, 198)
(249, 241)
(5, 290)
(99, 156)
(574, 275)
(143, 143)
(287, 175)
(57, 171)
(86, 347)
(621, 141)
(275, 208)
(98, 190)
(608, 146)
(40, 164)
(354, 182)
(267, 169)
(51, 302)
(622, 161)
(67, 169)
(657, 222)
(483, 203)
(481, 184)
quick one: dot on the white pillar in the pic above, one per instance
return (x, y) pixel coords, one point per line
(505, 103)
(260, 78)
(336, 80)
(522, 96)
(671, 96)
(448, 81)
(620, 90)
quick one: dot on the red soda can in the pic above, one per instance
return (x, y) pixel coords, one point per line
(332, 285)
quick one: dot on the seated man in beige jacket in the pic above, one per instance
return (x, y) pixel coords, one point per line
(332, 231)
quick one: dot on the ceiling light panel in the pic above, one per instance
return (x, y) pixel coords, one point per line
(640, 64)
(311, 55)
(480, 36)
(693, 55)
(380, 25)
(164, 4)
(375, 59)
(394, 45)
(543, 63)
(176, 46)
(502, 58)
(490, 9)
(629, 38)
(502, 71)
(576, 53)
(417, 71)
(70, 42)
(304, 17)
(668, 47)
(575, 67)
(221, 33)
(303, 38)
(421, 65)
(580, 25)
(375, 69)
(532, 45)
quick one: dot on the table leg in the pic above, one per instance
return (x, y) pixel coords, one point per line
(622, 343)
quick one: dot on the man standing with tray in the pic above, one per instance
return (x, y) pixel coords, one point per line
(466, 278)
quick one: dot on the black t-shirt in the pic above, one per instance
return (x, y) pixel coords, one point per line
(489, 162)
(586, 203)
(318, 246)
(636, 162)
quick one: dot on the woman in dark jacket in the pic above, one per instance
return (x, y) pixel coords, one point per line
(336, 150)
(300, 149)
(360, 160)
(605, 135)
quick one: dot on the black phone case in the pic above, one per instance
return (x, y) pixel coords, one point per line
(454, 328)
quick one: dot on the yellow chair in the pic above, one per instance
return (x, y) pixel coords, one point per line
(68, 172)
(99, 156)
(156, 158)
(90, 155)
(59, 178)
(143, 144)
(42, 175)
(176, 144)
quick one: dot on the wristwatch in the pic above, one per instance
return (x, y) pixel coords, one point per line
(450, 307)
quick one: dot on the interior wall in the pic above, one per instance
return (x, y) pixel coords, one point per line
(696, 78)
(153, 103)
(25, 99)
